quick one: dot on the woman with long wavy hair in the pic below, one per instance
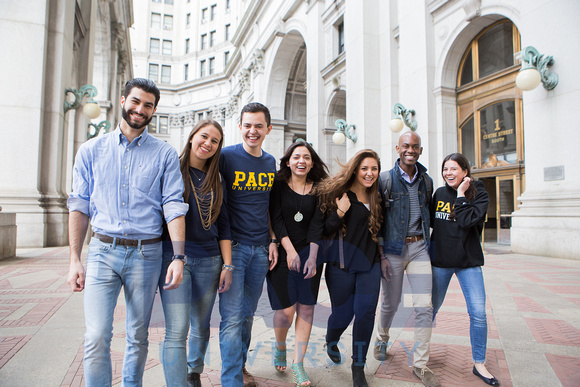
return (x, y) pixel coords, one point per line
(208, 269)
(353, 212)
(297, 223)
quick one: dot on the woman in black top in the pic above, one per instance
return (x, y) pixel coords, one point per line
(457, 215)
(352, 207)
(297, 223)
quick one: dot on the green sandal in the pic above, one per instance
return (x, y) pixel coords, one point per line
(280, 359)
(299, 375)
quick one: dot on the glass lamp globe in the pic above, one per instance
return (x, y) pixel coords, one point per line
(92, 110)
(338, 138)
(396, 125)
(528, 79)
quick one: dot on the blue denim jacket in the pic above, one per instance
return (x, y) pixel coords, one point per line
(396, 210)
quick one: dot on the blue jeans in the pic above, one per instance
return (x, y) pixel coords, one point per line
(110, 267)
(237, 308)
(353, 295)
(190, 304)
(471, 281)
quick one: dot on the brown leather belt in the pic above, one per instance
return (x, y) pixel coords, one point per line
(415, 238)
(125, 242)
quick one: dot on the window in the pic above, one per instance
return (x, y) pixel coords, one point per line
(187, 20)
(490, 52)
(152, 127)
(170, 2)
(227, 32)
(157, 1)
(497, 124)
(154, 46)
(199, 116)
(167, 47)
(226, 58)
(153, 72)
(203, 41)
(204, 15)
(187, 46)
(340, 29)
(165, 74)
(490, 127)
(211, 65)
(211, 38)
(212, 12)
(185, 72)
(227, 5)
(202, 68)
(163, 124)
(156, 20)
(167, 22)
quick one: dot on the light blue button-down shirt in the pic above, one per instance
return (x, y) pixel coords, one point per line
(127, 189)
(406, 176)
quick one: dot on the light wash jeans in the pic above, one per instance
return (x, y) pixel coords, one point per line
(190, 304)
(237, 308)
(110, 267)
(471, 281)
(416, 262)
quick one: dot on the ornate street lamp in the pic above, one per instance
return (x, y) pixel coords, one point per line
(343, 130)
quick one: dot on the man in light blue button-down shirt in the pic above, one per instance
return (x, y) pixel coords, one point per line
(126, 183)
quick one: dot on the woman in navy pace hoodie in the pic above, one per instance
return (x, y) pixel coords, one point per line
(457, 215)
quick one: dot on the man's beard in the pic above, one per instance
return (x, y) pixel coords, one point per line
(127, 118)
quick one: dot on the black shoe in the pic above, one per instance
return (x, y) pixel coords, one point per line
(358, 376)
(193, 380)
(491, 381)
(333, 353)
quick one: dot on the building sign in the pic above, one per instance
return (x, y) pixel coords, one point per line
(498, 135)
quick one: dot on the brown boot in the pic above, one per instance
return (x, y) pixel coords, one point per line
(249, 380)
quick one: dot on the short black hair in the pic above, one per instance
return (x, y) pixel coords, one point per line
(256, 107)
(146, 85)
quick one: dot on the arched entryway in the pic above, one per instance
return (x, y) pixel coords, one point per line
(490, 128)
(287, 92)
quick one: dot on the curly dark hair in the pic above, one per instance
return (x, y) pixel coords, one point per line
(319, 169)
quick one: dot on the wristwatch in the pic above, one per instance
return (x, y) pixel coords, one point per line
(180, 257)
(276, 241)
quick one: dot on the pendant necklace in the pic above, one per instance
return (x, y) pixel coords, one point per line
(298, 216)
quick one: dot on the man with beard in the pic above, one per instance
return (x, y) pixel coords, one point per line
(126, 183)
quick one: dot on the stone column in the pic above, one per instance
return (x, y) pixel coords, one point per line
(361, 25)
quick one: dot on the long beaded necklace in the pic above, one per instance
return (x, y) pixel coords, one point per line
(298, 216)
(204, 206)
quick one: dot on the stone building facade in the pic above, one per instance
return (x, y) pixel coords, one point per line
(452, 61)
(51, 46)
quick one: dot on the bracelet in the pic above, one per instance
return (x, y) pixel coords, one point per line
(228, 267)
(276, 241)
(338, 209)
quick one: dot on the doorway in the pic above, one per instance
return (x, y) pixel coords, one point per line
(503, 192)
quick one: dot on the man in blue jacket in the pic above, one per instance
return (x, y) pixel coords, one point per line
(407, 190)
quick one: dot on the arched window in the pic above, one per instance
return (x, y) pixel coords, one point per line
(489, 114)
(489, 105)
